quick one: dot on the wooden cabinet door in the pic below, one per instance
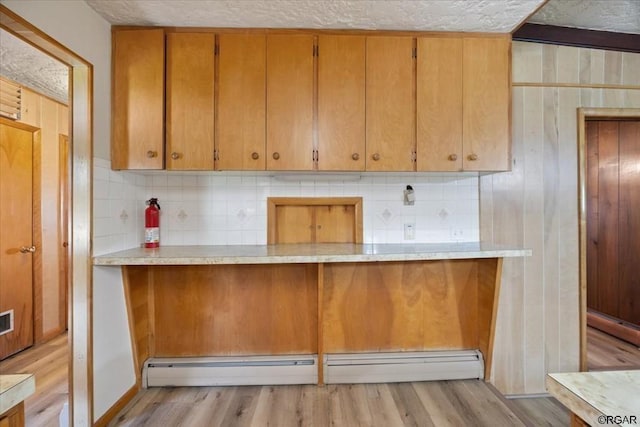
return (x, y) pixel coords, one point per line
(341, 103)
(290, 100)
(240, 127)
(190, 115)
(486, 100)
(439, 104)
(137, 114)
(390, 117)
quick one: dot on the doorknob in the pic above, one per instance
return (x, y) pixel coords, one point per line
(27, 249)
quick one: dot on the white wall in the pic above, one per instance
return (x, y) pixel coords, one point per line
(76, 26)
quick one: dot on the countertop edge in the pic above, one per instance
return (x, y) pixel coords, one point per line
(116, 260)
(575, 403)
(17, 392)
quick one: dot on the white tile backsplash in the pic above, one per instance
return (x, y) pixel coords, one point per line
(219, 208)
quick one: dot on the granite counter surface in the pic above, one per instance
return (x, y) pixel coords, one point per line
(305, 253)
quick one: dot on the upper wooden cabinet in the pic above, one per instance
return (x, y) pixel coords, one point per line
(390, 117)
(463, 104)
(290, 102)
(486, 98)
(190, 101)
(341, 103)
(240, 129)
(304, 100)
(439, 104)
(137, 114)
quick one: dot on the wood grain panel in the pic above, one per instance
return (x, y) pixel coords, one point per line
(400, 306)
(235, 310)
(390, 104)
(137, 293)
(439, 104)
(486, 100)
(629, 223)
(592, 212)
(295, 224)
(489, 278)
(241, 109)
(608, 201)
(137, 100)
(290, 100)
(190, 98)
(341, 103)
(336, 224)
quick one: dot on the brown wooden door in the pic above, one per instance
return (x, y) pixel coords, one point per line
(16, 235)
(613, 219)
(341, 103)
(137, 107)
(290, 99)
(190, 91)
(439, 104)
(486, 100)
(390, 116)
(240, 127)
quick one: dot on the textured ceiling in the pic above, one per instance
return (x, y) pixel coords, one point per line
(24, 64)
(424, 15)
(622, 16)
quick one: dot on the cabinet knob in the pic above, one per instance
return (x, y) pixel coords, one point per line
(453, 157)
(175, 156)
(151, 154)
(376, 157)
(255, 156)
(355, 156)
(473, 157)
(276, 155)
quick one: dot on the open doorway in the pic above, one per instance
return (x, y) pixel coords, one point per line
(609, 152)
(79, 273)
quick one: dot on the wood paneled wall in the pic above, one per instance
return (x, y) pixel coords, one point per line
(536, 205)
(53, 119)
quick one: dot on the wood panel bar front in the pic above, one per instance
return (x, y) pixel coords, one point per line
(323, 308)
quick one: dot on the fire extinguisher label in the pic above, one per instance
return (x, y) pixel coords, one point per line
(152, 235)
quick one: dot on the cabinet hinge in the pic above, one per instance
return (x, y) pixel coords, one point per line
(216, 155)
(216, 49)
(315, 50)
(414, 52)
(314, 155)
(414, 156)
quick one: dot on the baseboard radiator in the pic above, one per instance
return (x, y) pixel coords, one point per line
(218, 371)
(403, 366)
(338, 369)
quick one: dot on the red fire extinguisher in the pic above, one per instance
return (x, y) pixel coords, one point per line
(152, 224)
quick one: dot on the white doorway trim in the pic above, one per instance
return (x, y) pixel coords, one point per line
(80, 271)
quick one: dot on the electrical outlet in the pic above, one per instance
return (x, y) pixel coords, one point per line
(410, 231)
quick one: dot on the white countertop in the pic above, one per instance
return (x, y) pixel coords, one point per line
(595, 395)
(14, 389)
(305, 253)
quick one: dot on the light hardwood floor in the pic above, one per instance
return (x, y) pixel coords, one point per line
(49, 362)
(439, 403)
(606, 352)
